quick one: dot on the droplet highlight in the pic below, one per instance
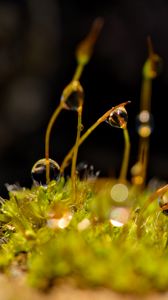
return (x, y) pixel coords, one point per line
(144, 124)
(119, 192)
(119, 216)
(118, 118)
(60, 223)
(38, 171)
(84, 224)
(86, 172)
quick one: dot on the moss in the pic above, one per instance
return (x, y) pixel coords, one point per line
(98, 254)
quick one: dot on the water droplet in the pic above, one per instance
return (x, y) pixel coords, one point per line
(13, 187)
(73, 95)
(86, 172)
(62, 222)
(119, 216)
(144, 123)
(118, 118)
(163, 203)
(84, 224)
(38, 171)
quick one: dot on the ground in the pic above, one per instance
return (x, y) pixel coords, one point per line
(11, 289)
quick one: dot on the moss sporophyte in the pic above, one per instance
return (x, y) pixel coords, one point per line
(97, 231)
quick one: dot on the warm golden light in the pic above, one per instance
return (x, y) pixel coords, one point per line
(144, 131)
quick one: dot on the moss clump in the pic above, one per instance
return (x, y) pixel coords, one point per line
(46, 236)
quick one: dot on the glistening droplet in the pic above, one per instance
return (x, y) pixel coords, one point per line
(86, 172)
(163, 203)
(62, 222)
(118, 118)
(119, 216)
(144, 123)
(72, 96)
(38, 171)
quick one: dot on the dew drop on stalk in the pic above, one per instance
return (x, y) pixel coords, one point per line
(118, 118)
(163, 203)
(38, 171)
(144, 124)
(72, 96)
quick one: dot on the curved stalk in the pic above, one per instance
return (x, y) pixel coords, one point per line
(86, 134)
(47, 139)
(78, 72)
(75, 153)
(125, 162)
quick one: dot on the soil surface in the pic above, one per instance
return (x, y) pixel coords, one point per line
(14, 289)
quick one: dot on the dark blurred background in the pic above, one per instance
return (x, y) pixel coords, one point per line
(37, 44)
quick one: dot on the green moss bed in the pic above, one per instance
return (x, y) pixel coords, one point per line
(50, 239)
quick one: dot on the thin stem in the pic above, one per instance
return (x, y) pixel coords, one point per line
(145, 159)
(125, 162)
(146, 94)
(78, 72)
(47, 139)
(87, 133)
(150, 46)
(70, 153)
(150, 71)
(75, 153)
(145, 104)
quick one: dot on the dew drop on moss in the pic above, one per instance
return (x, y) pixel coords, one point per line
(118, 118)
(163, 203)
(38, 171)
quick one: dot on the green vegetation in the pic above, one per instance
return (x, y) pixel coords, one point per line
(44, 235)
